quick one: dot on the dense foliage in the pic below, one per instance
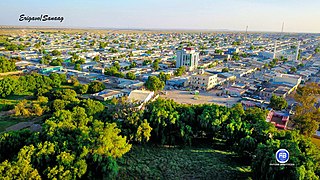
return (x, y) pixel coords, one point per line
(278, 103)
(81, 139)
(7, 65)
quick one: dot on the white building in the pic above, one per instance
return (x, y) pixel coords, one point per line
(204, 81)
(187, 57)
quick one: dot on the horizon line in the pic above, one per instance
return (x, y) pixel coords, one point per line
(147, 29)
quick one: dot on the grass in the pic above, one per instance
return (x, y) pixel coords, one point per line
(146, 162)
(5, 124)
(316, 141)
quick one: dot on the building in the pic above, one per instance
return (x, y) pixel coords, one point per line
(140, 96)
(287, 79)
(204, 81)
(187, 57)
(50, 69)
(108, 94)
(278, 119)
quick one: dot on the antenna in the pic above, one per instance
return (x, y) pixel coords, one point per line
(245, 37)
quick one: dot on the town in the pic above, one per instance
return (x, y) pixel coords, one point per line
(172, 87)
(196, 68)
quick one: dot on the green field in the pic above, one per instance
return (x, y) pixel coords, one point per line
(6, 124)
(181, 163)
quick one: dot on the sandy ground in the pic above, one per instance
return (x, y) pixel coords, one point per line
(185, 97)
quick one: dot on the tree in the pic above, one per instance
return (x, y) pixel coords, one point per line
(131, 76)
(133, 65)
(96, 58)
(58, 104)
(82, 88)
(6, 65)
(22, 168)
(225, 70)
(278, 103)
(154, 83)
(293, 69)
(306, 118)
(56, 81)
(164, 76)
(95, 87)
(56, 62)
(77, 67)
(180, 71)
(56, 53)
(92, 107)
(303, 154)
(155, 64)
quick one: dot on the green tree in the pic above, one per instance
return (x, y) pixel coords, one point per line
(82, 88)
(225, 70)
(278, 103)
(164, 76)
(303, 154)
(154, 83)
(306, 118)
(96, 58)
(6, 65)
(293, 69)
(95, 87)
(180, 71)
(155, 64)
(131, 76)
(56, 53)
(77, 67)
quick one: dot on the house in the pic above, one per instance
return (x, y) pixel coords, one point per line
(278, 119)
(204, 81)
(108, 94)
(50, 69)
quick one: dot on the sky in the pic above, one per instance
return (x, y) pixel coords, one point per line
(258, 15)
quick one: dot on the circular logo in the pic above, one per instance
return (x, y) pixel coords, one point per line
(282, 156)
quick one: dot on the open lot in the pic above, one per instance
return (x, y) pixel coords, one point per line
(185, 97)
(145, 162)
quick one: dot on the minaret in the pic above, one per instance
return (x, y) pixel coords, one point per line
(275, 49)
(297, 52)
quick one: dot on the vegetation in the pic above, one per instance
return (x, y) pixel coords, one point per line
(131, 75)
(85, 139)
(181, 163)
(154, 83)
(95, 87)
(180, 71)
(225, 70)
(6, 65)
(155, 64)
(164, 76)
(278, 103)
(307, 115)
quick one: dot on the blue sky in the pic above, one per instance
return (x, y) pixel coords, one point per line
(259, 15)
